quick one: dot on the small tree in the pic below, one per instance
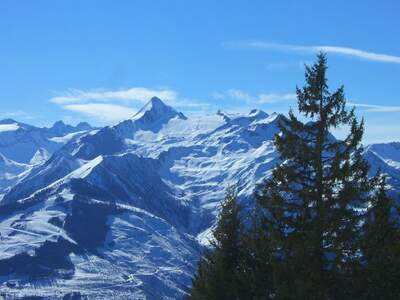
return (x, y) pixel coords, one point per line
(204, 285)
(381, 249)
(256, 276)
(217, 275)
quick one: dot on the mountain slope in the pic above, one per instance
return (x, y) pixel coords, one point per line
(24, 146)
(386, 159)
(124, 211)
(20, 141)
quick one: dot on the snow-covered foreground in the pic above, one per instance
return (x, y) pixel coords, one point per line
(123, 212)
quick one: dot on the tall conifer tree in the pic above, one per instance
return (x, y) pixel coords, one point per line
(311, 200)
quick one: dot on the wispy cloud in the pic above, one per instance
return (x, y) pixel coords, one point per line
(263, 98)
(376, 108)
(16, 114)
(233, 94)
(115, 105)
(275, 98)
(136, 94)
(367, 55)
(102, 111)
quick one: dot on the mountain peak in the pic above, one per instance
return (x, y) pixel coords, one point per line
(258, 113)
(224, 115)
(83, 126)
(58, 124)
(155, 104)
(8, 121)
(59, 127)
(157, 110)
(157, 101)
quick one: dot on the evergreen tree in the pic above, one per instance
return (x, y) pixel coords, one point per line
(255, 268)
(218, 273)
(381, 249)
(204, 286)
(311, 200)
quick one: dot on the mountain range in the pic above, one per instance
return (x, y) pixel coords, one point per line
(124, 211)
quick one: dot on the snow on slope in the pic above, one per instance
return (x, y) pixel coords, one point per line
(23, 146)
(141, 256)
(19, 141)
(8, 127)
(125, 210)
(9, 171)
(386, 159)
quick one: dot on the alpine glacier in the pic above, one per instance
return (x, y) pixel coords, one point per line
(123, 212)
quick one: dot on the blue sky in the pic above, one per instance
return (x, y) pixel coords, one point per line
(99, 61)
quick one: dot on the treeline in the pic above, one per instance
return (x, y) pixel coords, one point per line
(321, 228)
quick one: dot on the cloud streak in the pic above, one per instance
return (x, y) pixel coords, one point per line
(376, 108)
(16, 114)
(275, 98)
(263, 98)
(136, 94)
(102, 111)
(110, 105)
(115, 105)
(371, 56)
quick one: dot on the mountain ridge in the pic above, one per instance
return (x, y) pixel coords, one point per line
(25, 146)
(146, 191)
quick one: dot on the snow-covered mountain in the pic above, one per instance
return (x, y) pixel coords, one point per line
(23, 146)
(385, 157)
(123, 212)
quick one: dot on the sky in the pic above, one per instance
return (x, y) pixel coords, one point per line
(100, 61)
